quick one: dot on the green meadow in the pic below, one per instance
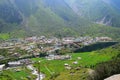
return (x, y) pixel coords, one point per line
(88, 59)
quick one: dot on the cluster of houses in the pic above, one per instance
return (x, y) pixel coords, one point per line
(58, 57)
(86, 40)
(21, 62)
(30, 41)
(34, 45)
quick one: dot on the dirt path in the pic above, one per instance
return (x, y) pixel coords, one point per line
(35, 72)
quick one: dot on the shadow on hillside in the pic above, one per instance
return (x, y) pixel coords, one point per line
(95, 47)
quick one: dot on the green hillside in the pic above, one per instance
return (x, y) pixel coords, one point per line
(59, 18)
(95, 60)
(100, 11)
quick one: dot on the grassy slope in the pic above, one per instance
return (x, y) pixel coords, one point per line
(88, 60)
(11, 74)
(14, 34)
(57, 66)
(101, 30)
(53, 20)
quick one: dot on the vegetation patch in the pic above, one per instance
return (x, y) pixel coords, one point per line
(4, 36)
(17, 74)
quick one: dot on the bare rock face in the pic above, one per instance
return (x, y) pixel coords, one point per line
(114, 77)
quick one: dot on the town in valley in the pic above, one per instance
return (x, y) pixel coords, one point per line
(19, 52)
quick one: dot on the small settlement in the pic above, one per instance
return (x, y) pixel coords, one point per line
(25, 48)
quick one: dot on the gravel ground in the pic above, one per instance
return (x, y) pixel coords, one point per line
(114, 77)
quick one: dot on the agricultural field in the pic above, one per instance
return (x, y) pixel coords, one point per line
(84, 60)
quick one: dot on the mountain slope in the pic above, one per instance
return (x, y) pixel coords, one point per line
(60, 17)
(99, 11)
